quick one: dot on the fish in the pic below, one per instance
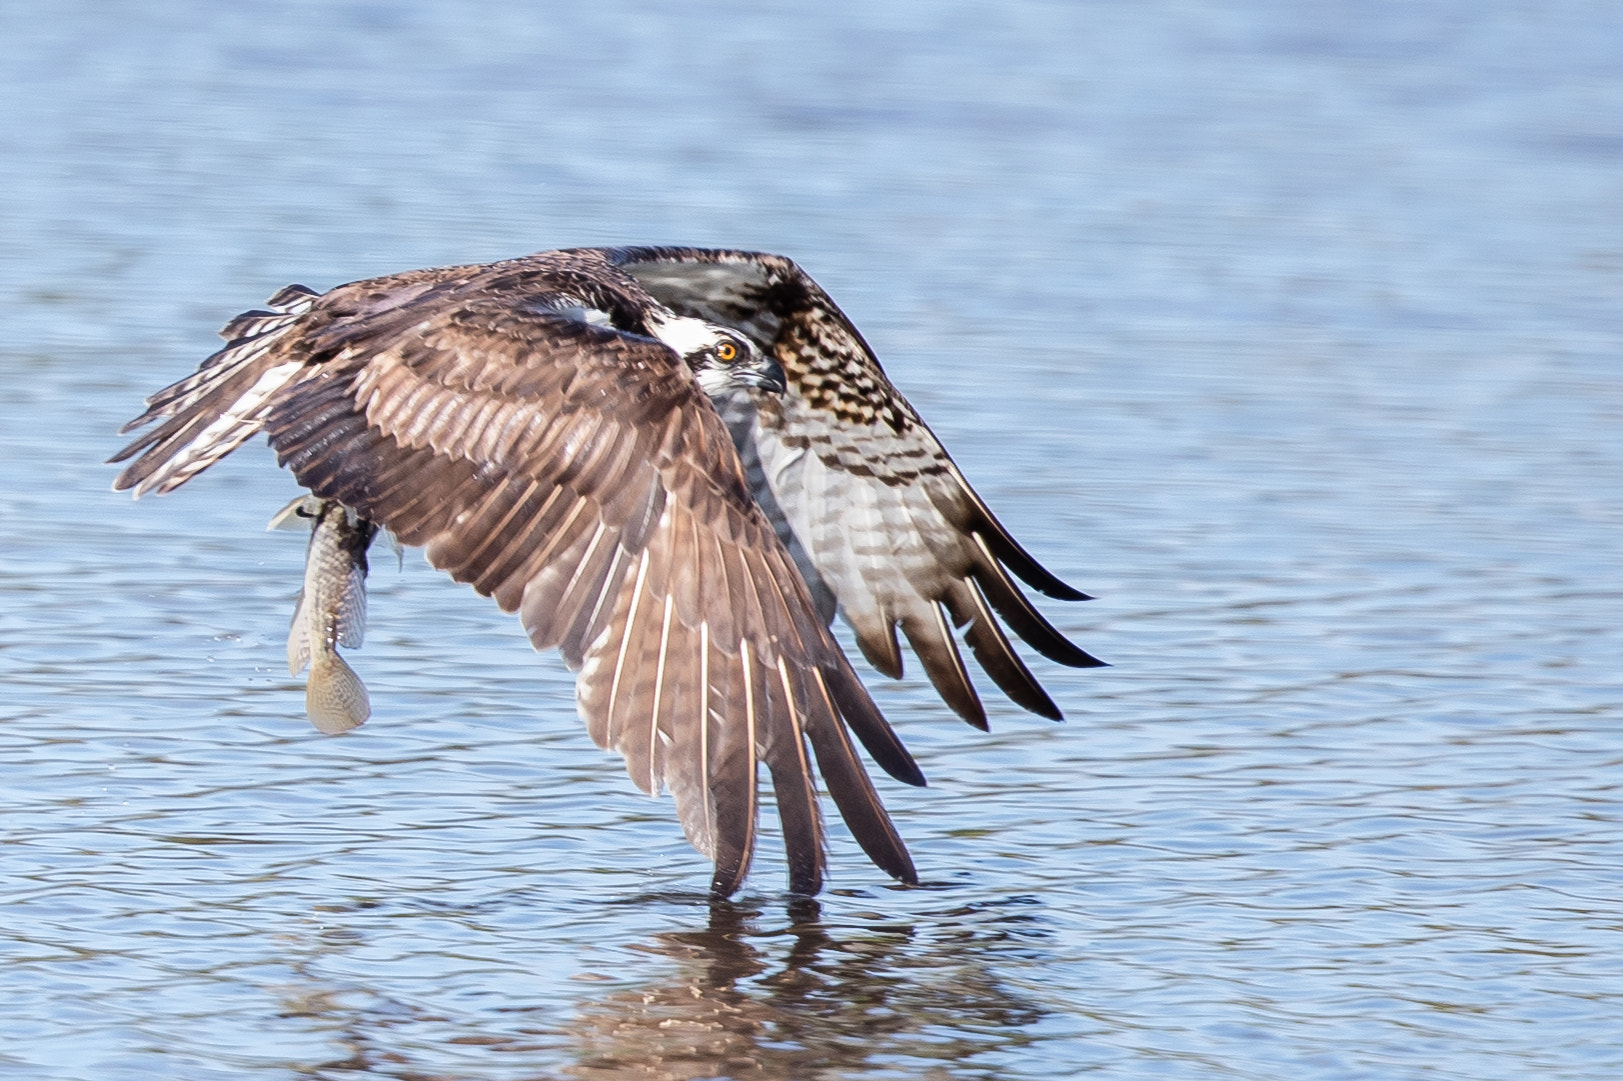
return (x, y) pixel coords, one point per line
(331, 611)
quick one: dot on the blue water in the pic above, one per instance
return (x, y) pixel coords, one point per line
(1291, 331)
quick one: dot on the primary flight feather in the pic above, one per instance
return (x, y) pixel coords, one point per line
(676, 465)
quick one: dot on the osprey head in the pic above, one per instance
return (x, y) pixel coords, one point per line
(721, 358)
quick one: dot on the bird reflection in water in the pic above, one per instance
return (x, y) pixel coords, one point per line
(702, 1022)
(826, 1002)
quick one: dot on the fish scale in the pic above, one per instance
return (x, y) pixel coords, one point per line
(331, 612)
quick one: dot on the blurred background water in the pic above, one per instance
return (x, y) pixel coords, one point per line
(1290, 330)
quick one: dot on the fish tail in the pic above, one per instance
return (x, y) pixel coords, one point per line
(335, 698)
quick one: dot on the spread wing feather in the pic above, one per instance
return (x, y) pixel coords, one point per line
(876, 515)
(576, 474)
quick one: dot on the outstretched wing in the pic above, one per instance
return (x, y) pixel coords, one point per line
(878, 517)
(576, 474)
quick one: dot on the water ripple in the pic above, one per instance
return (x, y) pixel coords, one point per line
(1257, 320)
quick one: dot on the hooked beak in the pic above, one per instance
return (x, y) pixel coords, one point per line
(765, 373)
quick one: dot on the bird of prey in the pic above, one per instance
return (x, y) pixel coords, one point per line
(676, 465)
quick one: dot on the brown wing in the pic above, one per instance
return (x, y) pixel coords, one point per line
(877, 515)
(217, 408)
(577, 475)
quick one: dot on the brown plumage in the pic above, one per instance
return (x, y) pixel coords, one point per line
(675, 465)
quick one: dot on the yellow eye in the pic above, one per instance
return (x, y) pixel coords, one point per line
(726, 352)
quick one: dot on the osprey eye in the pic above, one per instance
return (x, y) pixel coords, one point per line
(726, 352)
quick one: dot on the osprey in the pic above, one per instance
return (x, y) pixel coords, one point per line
(676, 465)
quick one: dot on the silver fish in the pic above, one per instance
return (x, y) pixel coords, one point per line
(331, 611)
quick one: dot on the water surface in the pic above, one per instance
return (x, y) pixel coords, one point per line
(1290, 332)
